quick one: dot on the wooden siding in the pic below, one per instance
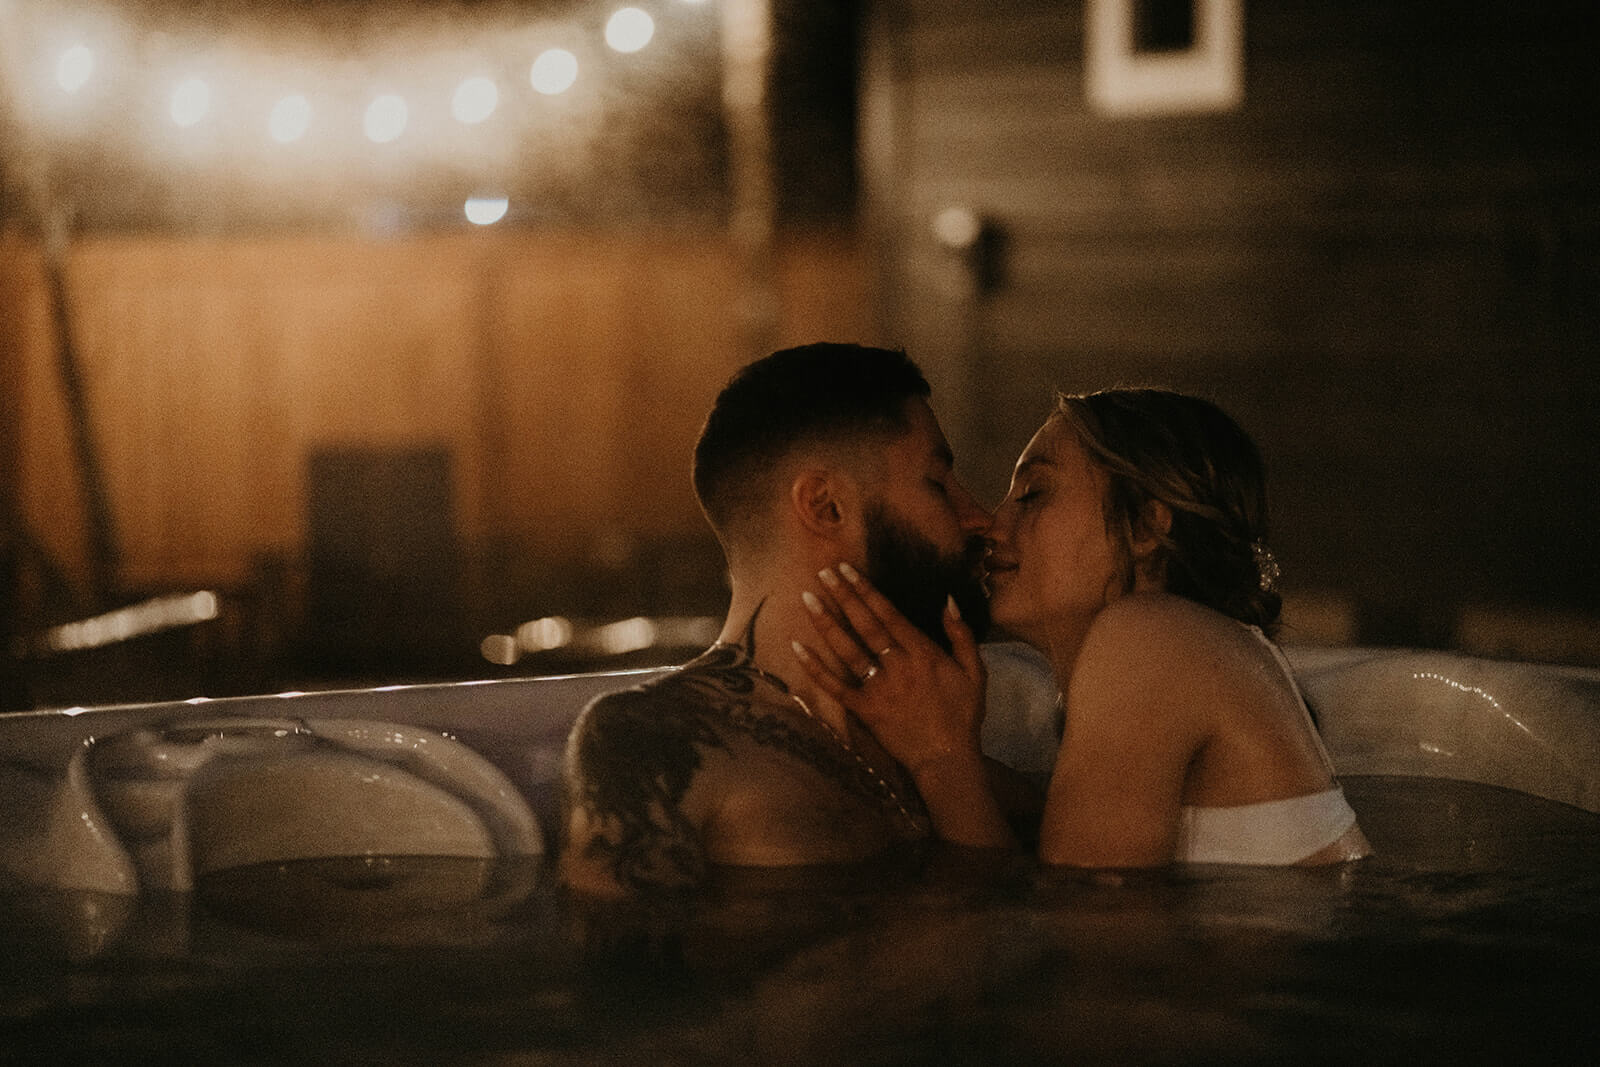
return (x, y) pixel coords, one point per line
(1384, 263)
(566, 374)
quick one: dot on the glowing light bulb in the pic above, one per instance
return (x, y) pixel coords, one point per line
(475, 100)
(190, 101)
(486, 210)
(290, 119)
(957, 227)
(554, 71)
(74, 67)
(629, 29)
(500, 649)
(541, 635)
(386, 118)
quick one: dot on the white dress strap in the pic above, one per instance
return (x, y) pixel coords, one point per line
(1294, 687)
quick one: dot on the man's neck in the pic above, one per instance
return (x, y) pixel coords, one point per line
(764, 618)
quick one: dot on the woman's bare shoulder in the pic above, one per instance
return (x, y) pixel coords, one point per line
(1145, 622)
(1165, 647)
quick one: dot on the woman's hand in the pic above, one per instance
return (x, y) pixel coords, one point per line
(925, 706)
(921, 703)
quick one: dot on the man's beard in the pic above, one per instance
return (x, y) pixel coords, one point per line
(908, 569)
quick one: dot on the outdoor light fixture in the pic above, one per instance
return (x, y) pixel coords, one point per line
(475, 100)
(225, 93)
(74, 68)
(500, 649)
(980, 242)
(136, 620)
(191, 99)
(486, 210)
(629, 29)
(386, 118)
(290, 119)
(554, 71)
(957, 227)
(542, 635)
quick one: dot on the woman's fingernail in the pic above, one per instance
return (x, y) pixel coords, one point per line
(952, 607)
(799, 650)
(813, 605)
(829, 578)
(849, 573)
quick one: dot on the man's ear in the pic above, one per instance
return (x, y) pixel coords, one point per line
(820, 501)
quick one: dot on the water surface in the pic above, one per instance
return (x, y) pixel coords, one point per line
(1473, 935)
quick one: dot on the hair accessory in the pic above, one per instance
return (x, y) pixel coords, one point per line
(1267, 568)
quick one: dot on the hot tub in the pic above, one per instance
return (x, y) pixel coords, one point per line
(362, 876)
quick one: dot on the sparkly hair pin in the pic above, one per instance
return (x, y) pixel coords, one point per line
(1267, 569)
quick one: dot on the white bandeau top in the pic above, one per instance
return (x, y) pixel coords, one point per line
(1273, 832)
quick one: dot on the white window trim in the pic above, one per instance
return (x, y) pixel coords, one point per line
(1208, 77)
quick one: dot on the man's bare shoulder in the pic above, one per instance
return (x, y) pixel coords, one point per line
(663, 724)
(632, 761)
(711, 765)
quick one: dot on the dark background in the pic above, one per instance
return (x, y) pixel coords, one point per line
(1383, 262)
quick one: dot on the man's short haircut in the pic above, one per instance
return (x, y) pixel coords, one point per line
(797, 396)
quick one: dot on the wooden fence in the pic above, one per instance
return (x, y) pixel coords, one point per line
(564, 374)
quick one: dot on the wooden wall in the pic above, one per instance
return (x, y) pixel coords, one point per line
(1384, 263)
(565, 372)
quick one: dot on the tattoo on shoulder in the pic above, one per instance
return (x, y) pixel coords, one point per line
(631, 758)
(819, 750)
(634, 754)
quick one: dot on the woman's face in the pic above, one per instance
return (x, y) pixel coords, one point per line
(1051, 565)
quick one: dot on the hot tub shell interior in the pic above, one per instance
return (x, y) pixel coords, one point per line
(1472, 934)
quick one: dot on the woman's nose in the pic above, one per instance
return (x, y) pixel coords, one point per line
(999, 527)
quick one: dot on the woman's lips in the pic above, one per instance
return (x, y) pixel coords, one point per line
(994, 570)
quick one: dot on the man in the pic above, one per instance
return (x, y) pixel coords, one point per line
(812, 457)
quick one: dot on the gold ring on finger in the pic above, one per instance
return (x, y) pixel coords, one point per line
(872, 672)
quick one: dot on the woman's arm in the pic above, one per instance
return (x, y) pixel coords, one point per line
(1133, 727)
(924, 706)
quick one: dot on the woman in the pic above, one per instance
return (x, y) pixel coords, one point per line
(1129, 552)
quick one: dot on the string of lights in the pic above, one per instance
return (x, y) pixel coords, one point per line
(210, 94)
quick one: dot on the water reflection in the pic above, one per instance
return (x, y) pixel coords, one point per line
(64, 924)
(1474, 933)
(373, 900)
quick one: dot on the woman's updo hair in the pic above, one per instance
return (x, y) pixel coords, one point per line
(1188, 454)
